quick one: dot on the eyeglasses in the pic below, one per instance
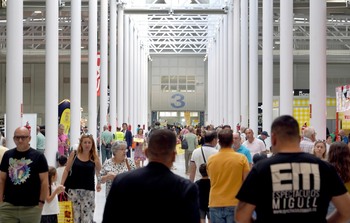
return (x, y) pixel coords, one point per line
(20, 137)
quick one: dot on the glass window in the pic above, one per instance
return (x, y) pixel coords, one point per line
(173, 79)
(181, 83)
(191, 88)
(165, 88)
(182, 88)
(194, 114)
(165, 80)
(182, 80)
(173, 88)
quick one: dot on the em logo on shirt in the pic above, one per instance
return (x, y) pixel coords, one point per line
(295, 187)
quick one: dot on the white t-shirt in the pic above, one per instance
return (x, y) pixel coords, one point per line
(197, 157)
(51, 208)
(254, 147)
(59, 171)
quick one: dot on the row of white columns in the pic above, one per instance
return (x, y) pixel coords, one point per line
(128, 87)
(240, 105)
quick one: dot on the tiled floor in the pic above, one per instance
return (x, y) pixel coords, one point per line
(179, 168)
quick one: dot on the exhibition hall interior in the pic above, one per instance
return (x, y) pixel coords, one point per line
(178, 62)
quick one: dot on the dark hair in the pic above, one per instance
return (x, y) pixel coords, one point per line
(162, 142)
(210, 136)
(259, 156)
(286, 128)
(203, 170)
(62, 160)
(226, 127)
(225, 138)
(339, 157)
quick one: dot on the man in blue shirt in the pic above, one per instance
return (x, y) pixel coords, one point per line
(239, 148)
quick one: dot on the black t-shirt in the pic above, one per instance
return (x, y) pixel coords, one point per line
(291, 187)
(204, 189)
(22, 186)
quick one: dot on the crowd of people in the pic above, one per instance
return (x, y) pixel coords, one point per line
(232, 176)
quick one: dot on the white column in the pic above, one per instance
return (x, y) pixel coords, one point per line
(75, 73)
(210, 84)
(120, 103)
(222, 98)
(216, 76)
(232, 98)
(51, 82)
(132, 81)
(236, 64)
(145, 93)
(253, 65)
(113, 64)
(14, 69)
(267, 75)
(138, 90)
(318, 66)
(286, 58)
(127, 65)
(129, 91)
(92, 68)
(104, 120)
(226, 97)
(244, 64)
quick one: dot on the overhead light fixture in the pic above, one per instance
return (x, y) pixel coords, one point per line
(37, 12)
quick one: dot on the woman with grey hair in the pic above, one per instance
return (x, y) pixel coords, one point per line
(118, 164)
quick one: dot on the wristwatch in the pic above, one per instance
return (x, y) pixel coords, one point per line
(41, 201)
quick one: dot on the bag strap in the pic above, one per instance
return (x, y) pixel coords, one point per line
(75, 156)
(63, 196)
(203, 155)
(127, 164)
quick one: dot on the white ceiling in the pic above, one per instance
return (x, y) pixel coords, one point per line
(178, 26)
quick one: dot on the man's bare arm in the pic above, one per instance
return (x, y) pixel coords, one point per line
(244, 212)
(3, 176)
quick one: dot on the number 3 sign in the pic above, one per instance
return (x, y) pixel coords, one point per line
(178, 101)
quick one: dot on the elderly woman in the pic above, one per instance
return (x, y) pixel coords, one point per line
(118, 164)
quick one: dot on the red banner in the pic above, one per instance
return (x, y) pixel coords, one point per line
(98, 74)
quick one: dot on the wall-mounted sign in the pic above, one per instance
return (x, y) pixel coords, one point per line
(178, 101)
(301, 92)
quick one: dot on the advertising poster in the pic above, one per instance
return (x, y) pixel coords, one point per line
(64, 115)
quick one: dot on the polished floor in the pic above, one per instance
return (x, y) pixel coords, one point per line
(179, 168)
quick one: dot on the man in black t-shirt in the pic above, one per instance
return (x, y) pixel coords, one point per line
(23, 181)
(291, 186)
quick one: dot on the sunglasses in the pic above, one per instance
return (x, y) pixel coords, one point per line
(20, 137)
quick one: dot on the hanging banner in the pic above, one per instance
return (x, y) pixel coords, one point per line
(64, 115)
(187, 115)
(98, 74)
(343, 98)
